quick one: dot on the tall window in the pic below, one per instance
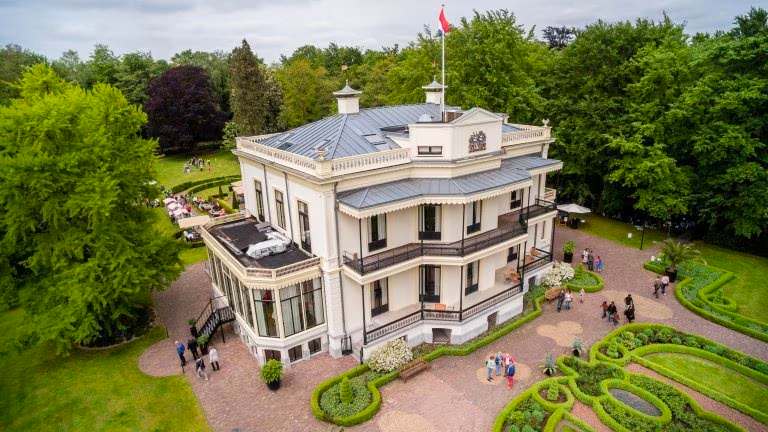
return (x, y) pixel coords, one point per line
(377, 232)
(379, 297)
(513, 253)
(259, 200)
(280, 209)
(306, 242)
(515, 199)
(473, 215)
(429, 222)
(266, 314)
(302, 306)
(543, 229)
(473, 277)
(429, 283)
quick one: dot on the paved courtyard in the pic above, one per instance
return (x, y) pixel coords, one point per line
(454, 394)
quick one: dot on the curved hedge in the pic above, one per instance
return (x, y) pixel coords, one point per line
(189, 184)
(597, 284)
(700, 290)
(727, 357)
(557, 410)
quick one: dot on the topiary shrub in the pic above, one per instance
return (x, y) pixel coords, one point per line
(553, 392)
(390, 356)
(676, 340)
(345, 391)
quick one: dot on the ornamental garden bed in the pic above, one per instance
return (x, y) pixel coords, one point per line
(701, 289)
(631, 402)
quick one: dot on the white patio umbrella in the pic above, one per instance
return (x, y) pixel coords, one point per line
(169, 200)
(173, 206)
(573, 208)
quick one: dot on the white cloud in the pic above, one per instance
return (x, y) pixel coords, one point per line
(277, 27)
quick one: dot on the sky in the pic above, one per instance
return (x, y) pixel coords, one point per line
(274, 27)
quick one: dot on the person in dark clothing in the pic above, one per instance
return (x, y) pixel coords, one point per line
(604, 307)
(192, 347)
(628, 300)
(629, 312)
(590, 261)
(656, 287)
(560, 300)
(180, 352)
(613, 313)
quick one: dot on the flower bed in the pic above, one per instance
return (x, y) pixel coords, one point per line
(591, 282)
(701, 291)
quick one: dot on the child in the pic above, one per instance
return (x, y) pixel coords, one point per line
(510, 373)
(581, 295)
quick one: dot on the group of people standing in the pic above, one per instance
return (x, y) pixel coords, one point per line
(196, 162)
(565, 299)
(611, 311)
(501, 362)
(592, 262)
(197, 356)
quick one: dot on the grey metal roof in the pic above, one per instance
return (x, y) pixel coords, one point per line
(343, 135)
(511, 171)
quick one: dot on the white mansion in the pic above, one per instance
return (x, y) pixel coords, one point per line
(383, 223)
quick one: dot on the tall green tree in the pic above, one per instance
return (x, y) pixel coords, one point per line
(134, 72)
(101, 66)
(79, 242)
(253, 93)
(307, 93)
(70, 67)
(14, 60)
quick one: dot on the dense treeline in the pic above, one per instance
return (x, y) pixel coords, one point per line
(652, 124)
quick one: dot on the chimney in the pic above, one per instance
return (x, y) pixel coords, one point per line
(434, 92)
(348, 99)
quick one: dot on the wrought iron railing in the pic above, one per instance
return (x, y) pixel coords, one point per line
(543, 258)
(441, 315)
(409, 251)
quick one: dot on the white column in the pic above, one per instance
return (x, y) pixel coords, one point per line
(333, 312)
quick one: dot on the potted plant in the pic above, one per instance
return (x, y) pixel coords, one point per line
(192, 327)
(271, 373)
(549, 367)
(676, 253)
(202, 343)
(577, 347)
(568, 248)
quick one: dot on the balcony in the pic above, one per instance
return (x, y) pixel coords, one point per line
(410, 251)
(550, 195)
(394, 321)
(537, 259)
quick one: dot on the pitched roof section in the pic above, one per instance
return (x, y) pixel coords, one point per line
(512, 171)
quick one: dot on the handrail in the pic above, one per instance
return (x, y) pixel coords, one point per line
(414, 250)
(526, 134)
(440, 315)
(207, 306)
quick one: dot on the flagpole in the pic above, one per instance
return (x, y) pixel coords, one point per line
(442, 101)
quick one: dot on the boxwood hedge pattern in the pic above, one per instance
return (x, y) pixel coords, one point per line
(701, 291)
(590, 382)
(532, 300)
(634, 341)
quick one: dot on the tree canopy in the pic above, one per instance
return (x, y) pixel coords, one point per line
(255, 96)
(79, 250)
(182, 109)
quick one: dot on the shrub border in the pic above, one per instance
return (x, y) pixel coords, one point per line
(368, 412)
(726, 276)
(637, 354)
(589, 288)
(181, 187)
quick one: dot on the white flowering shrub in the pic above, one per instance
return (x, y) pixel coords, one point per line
(559, 273)
(390, 356)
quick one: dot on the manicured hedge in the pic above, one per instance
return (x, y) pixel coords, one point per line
(221, 181)
(556, 409)
(700, 286)
(458, 350)
(186, 185)
(727, 357)
(598, 284)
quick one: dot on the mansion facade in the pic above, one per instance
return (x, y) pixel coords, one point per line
(382, 223)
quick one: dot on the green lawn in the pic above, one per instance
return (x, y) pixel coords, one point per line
(617, 231)
(188, 255)
(716, 377)
(170, 169)
(90, 391)
(750, 288)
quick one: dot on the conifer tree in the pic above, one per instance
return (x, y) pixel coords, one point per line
(253, 93)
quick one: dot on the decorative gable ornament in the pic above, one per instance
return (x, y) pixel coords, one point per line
(477, 141)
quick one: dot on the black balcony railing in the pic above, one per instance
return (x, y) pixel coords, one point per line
(429, 235)
(541, 259)
(409, 251)
(433, 314)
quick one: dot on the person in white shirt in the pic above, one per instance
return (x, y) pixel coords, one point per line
(213, 358)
